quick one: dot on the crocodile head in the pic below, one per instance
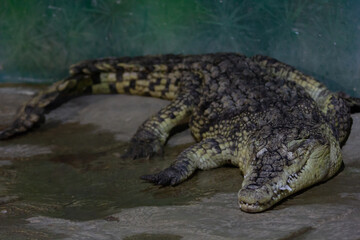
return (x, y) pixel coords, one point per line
(274, 175)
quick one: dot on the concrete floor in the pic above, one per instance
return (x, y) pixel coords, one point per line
(83, 139)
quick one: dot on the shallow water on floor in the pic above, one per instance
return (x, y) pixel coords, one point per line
(82, 177)
(69, 171)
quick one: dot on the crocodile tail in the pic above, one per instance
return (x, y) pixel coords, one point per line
(147, 76)
(352, 102)
(273, 66)
(335, 106)
(155, 76)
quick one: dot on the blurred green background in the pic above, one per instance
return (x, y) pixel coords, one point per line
(39, 39)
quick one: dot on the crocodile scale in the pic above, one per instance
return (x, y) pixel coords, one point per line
(282, 128)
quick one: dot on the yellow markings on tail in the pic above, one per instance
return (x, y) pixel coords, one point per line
(108, 77)
(42, 103)
(126, 83)
(70, 84)
(170, 95)
(155, 94)
(128, 67)
(140, 90)
(103, 66)
(282, 73)
(173, 88)
(72, 70)
(119, 87)
(134, 79)
(86, 71)
(62, 85)
(54, 87)
(156, 75)
(175, 75)
(101, 88)
(142, 83)
(160, 68)
(129, 76)
(159, 88)
(163, 81)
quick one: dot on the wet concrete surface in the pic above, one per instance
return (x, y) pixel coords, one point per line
(66, 181)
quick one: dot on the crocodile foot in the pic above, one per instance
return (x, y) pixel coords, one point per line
(166, 177)
(143, 149)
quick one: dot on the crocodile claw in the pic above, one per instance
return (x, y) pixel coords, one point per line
(142, 149)
(169, 176)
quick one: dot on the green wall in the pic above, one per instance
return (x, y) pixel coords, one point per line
(39, 39)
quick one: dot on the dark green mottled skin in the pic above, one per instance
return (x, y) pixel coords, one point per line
(283, 129)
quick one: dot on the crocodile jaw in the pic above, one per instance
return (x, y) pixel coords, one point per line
(322, 163)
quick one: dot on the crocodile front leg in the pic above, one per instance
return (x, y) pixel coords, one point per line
(153, 133)
(207, 154)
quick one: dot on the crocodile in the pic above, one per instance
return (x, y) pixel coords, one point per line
(281, 127)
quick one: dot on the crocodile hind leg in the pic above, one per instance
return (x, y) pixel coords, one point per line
(151, 136)
(153, 133)
(207, 154)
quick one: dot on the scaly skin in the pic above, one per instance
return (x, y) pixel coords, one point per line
(283, 129)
